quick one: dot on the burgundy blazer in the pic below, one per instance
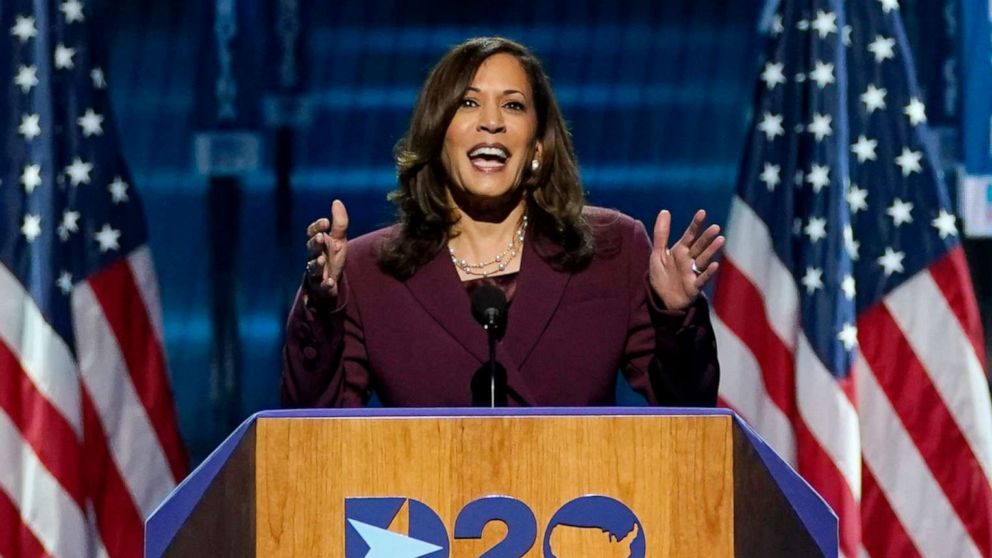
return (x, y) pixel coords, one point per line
(416, 343)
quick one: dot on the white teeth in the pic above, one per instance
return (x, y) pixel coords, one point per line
(491, 151)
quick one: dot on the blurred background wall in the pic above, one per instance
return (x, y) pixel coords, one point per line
(658, 95)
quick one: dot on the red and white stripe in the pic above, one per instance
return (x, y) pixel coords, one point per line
(903, 447)
(820, 414)
(930, 374)
(88, 447)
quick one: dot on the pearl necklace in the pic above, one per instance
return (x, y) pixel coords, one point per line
(500, 261)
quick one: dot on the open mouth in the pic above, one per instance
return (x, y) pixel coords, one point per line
(489, 157)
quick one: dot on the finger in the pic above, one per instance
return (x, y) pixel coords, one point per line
(704, 240)
(710, 253)
(320, 225)
(315, 269)
(681, 256)
(692, 231)
(662, 226)
(315, 246)
(329, 285)
(705, 276)
(339, 221)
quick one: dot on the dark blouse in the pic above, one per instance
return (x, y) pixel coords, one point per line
(506, 283)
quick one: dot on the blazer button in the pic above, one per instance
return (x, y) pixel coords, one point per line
(309, 354)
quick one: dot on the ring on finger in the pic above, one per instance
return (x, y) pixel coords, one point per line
(695, 269)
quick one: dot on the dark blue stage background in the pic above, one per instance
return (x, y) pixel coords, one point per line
(657, 93)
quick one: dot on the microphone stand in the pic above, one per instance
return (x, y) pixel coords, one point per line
(491, 334)
(489, 310)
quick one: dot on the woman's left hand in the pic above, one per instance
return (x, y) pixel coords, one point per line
(678, 274)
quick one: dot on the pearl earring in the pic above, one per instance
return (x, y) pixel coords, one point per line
(534, 165)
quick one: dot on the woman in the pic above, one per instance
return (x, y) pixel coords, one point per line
(489, 192)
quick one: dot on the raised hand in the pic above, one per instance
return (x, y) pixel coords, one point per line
(327, 248)
(678, 274)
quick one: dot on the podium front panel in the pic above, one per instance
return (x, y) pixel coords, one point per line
(323, 485)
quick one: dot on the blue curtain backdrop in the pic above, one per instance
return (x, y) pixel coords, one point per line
(657, 94)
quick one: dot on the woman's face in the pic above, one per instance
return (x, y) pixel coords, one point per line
(489, 142)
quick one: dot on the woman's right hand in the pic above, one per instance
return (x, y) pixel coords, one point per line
(327, 247)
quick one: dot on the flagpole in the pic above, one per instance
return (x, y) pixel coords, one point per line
(284, 109)
(225, 154)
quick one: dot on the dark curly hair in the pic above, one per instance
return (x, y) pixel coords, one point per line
(425, 218)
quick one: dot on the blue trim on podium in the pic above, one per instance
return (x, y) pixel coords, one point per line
(163, 524)
(812, 510)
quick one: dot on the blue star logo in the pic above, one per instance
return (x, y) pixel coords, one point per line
(393, 528)
(387, 544)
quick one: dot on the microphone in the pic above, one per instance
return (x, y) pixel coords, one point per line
(489, 309)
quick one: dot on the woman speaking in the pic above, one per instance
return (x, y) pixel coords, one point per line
(489, 196)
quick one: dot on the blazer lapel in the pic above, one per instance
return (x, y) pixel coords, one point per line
(539, 292)
(437, 288)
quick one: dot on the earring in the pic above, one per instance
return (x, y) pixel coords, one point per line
(534, 165)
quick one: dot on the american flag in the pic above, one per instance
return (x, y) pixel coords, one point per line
(89, 443)
(847, 325)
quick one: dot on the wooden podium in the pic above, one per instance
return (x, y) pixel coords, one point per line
(441, 483)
